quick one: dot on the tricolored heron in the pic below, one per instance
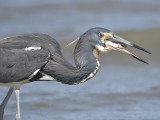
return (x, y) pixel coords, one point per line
(38, 57)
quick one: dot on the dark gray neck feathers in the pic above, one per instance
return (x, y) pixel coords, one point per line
(86, 65)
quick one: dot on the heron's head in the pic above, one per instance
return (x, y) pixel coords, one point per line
(104, 40)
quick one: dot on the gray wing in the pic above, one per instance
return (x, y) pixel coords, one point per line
(23, 41)
(18, 65)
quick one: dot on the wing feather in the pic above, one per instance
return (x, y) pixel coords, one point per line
(18, 65)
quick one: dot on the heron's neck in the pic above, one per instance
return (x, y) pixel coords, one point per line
(87, 65)
(86, 61)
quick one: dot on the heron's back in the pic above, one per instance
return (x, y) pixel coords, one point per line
(21, 56)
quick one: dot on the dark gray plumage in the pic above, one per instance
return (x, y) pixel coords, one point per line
(21, 59)
(37, 57)
(17, 64)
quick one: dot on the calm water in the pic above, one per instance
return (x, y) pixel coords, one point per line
(117, 92)
(67, 19)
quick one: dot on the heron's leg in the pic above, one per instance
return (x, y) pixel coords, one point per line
(5, 101)
(18, 104)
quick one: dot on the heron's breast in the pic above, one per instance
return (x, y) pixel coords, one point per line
(93, 73)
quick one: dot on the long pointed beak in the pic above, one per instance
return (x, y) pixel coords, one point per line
(119, 44)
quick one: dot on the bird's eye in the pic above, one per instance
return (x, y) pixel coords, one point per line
(101, 34)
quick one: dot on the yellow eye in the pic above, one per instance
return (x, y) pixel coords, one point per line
(101, 34)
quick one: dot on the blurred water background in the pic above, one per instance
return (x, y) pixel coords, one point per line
(123, 89)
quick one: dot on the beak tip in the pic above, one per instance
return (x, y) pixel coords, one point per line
(147, 63)
(150, 53)
(139, 59)
(140, 48)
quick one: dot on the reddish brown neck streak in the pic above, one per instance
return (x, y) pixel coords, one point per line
(96, 53)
